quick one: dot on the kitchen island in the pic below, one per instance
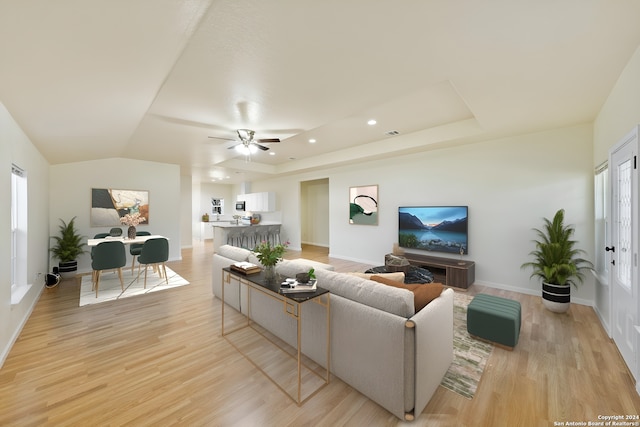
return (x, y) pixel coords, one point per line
(223, 230)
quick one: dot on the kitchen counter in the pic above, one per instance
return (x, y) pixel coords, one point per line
(227, 224)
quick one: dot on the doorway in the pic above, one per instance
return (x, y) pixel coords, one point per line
(314, 213)
(623, 249)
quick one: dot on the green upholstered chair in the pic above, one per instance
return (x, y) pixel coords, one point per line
(98, 236)
(155, 252)
(136, 248)
(115, 232)
(107, 256)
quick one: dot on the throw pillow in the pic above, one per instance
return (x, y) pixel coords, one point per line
(423, 294)
(398, 276)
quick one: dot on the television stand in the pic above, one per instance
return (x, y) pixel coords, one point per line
(448, 271)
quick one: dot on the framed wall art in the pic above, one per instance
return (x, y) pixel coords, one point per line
(363, 205)
(108, 205)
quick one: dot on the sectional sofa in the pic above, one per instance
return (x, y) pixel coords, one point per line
(379, 345)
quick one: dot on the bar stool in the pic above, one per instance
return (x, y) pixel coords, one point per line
(262, 234)
(250, 236)
(274, 234)
(234, 237)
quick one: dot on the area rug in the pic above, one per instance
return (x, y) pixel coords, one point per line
(469, 354)
(110, 289)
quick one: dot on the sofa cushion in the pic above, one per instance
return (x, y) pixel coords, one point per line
(234, 252)
(315, 264)
(363, 291)
(423, 293)
(397, 276)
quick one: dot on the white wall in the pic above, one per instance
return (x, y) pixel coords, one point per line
(509, 184)
(70, 191)
(186, 201)
(618, 116)
(621, 111)
(219, 191)
(16, 148)
(201, 204)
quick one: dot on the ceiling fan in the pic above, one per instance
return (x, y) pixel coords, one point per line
(248, 144)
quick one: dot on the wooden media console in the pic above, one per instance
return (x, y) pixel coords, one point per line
(448, 271)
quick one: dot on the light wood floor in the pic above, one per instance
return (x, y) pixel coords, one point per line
(159, 360)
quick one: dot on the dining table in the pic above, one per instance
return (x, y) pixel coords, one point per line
(123, 239)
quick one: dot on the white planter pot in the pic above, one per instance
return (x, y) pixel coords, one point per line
(68, 270)
(556, 298)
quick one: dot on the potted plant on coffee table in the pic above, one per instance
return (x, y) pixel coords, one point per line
(557, 262)
(68, 245)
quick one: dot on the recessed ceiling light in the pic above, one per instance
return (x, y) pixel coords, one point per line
(272, 153)
(371, 122)
(312, 141)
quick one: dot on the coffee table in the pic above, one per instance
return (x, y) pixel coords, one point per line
(292, 305)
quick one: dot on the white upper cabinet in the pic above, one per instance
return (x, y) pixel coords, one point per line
(259, 202)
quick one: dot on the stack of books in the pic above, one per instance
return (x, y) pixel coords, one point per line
(245, 268)
(291, 287)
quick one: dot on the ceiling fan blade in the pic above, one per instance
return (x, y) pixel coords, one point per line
(233, 146)
(262, 147)
(220, 137)
(268, 140)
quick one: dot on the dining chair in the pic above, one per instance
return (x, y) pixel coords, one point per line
(98, 236)
(107, 256)
(115, 232)
(136, 248)
(155, 252)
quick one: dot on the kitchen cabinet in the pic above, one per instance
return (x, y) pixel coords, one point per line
(259, 202)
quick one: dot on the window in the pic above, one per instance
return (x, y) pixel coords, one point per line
(601, 197)
(19, 285)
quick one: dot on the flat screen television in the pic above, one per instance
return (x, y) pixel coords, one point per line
(434, 228)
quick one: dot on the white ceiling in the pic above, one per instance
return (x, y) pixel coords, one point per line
(152, 80)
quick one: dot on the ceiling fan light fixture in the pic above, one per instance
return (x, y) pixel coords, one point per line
(246, 149)
(245, 134)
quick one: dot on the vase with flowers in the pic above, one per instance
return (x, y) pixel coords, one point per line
(132, 220)
(269, 255)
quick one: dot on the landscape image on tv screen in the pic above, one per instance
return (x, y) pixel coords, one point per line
(434, 228)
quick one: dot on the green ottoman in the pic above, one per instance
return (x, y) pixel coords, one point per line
(494, 319)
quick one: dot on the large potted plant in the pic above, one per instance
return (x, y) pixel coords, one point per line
(68, 245)
(557, 262)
